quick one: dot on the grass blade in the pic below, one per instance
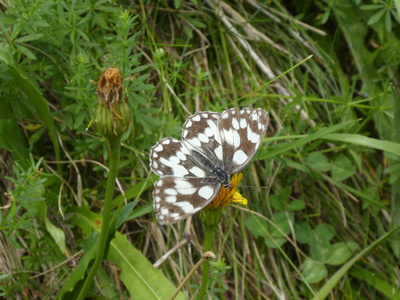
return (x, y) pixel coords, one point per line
(381, 285)
(306, 139)
(395, 209)
(361, 140)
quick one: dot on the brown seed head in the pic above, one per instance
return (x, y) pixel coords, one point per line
(109, 87)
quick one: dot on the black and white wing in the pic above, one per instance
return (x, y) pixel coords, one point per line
(175, 199)
(192, 170)
(241, 134)
(184, 186)
(200, 132)
(169, 157)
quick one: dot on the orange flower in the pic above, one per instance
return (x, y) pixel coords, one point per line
(226, 196)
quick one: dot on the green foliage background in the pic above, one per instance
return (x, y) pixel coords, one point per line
(323, 190)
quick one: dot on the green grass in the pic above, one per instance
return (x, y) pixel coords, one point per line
(324, 202)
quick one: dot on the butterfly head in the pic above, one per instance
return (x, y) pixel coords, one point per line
(223, 177)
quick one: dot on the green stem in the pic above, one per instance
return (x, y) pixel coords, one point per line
(208, 237)
(115, 144)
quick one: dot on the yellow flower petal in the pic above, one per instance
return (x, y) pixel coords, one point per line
(226, 196)
(238, 198)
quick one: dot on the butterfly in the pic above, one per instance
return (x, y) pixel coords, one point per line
(213, 146)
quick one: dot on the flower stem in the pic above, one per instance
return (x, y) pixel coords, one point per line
(208, 237)
(115, 145)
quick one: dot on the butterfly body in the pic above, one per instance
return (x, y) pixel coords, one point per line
(212, 148)
(210, 166)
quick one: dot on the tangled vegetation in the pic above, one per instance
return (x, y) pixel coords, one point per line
(323, 189)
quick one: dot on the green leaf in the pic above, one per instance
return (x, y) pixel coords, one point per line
(141, 211)
(57, 234)
(302, 232)
(397, 11)
(71, 286)
(334, 280)
(281, 224)
(388, 21)
(325, 232)
(125, 212)
(257, 226)
(355, 34)
(29, 89)
(273, 234)
(319, 162)
(108, 288)
(276, 202)
(197, 23)
(177, 4)
(28, 38)
(29, 191)
(39, 209)
(372, 6)
(376, 17)
(296, 205)
(371, 277)
(313, 272)
(320, 249)
(326, 16)
(15, 143)
(141, 279)
(26, 51)
(342, 169)
(136, 190)
(341, 252)
(85, 219)
(274, 243)
(139, 276)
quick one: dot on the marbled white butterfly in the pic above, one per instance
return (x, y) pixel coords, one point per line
(213, 146)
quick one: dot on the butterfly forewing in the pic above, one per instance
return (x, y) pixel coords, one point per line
(176, 198)
(170, 157)
(200, 132)
(241, 134)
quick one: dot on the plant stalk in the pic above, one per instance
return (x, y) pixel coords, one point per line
(208, 237)
(115, 145)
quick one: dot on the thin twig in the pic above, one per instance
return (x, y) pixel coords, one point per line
(59, 265)
(205, 256)
(79, 179)
(170, 252)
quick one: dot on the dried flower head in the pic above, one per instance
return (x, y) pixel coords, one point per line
(112, 115)
(109, 87)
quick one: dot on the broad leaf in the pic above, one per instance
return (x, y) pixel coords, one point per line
(319, 162)
(342, 169)
(341, 252)
(141, 279)
(313, 272)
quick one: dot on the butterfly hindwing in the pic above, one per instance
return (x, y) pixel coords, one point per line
(176, 199)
